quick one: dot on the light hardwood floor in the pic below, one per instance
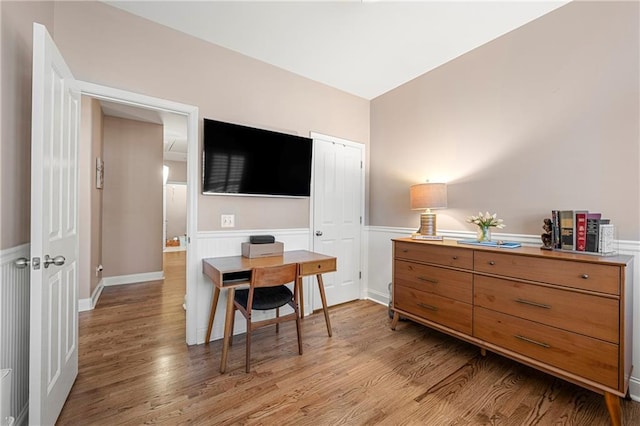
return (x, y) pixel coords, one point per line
(136, 369)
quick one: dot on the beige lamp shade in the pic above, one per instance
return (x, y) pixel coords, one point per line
(428, 196)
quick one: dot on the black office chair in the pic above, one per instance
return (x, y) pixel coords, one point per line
(266, 292)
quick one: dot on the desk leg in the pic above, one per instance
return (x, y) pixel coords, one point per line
(227, 329)
(300, 297)
(212, 312)
(324, 303)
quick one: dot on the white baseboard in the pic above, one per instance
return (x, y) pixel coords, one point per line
(85, 305)
(378, 297)
(634, 388)
(133, 278)
(91, 302)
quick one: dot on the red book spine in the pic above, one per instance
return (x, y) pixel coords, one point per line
(581, 231)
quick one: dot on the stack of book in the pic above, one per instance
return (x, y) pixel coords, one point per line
(580, 230)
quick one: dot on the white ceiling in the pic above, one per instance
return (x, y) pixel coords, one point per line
(364, 48)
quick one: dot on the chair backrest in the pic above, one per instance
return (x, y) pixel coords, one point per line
(271, 276)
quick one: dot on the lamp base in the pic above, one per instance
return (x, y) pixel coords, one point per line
(427, 224)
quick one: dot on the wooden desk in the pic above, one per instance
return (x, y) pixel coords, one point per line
(231, 272)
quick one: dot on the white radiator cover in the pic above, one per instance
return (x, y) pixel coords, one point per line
(14, 332)
(6, 418)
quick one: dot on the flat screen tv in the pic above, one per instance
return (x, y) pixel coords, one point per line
(241, 160)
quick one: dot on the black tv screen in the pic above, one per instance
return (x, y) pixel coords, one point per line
(245, 160)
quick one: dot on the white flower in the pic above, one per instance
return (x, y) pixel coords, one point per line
(486, 219)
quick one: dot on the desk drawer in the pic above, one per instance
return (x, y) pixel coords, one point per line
(448, 312)
(587, 314)
(586, 357)
(582, 275)
(434, 253)
(432, 279)
(318, 267)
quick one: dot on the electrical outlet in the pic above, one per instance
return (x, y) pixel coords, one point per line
(227, 221)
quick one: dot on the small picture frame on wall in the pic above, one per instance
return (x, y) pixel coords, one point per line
(99, 173)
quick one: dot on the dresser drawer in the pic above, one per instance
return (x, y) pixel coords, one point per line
(434, 253)
(432, 279)
(586, 314)
(442, 310)
(582, 275)
(318, 267)
(586, 357)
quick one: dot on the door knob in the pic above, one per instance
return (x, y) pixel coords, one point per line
(22, 262)
(58, 261)
(318, 233)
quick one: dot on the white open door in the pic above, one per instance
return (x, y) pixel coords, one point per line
(53, 363)
(338, 208)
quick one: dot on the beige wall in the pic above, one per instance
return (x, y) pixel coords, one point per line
(90, 198)
(501, 124)
(132, 197)
(545, 117)
(108, 46)
(15, 116)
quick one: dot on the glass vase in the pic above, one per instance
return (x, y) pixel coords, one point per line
(484, 234)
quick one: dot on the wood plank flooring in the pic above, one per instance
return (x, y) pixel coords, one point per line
(136, 369)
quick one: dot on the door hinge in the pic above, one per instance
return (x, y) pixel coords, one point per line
(360, 220)
(360, 274)
(361, 166)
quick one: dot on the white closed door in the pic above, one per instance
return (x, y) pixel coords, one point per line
(53, 363)
(338, 208)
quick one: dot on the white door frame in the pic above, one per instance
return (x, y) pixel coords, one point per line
(191, 113)
(316, 135)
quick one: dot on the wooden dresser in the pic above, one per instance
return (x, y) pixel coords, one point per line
(567, 314)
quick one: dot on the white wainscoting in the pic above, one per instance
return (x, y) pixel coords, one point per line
(228, 243)
(14, 328)
(378, 274)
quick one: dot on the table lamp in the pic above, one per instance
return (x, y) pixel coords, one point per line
(427, 196)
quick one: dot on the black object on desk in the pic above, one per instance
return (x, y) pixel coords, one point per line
(262, 239)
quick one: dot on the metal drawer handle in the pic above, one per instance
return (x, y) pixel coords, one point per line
(431, 280)
(535, 342)
(491, 262)
(424, 305)
(405, 250)
(455, 257)
(536, 304)
(585, 276)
